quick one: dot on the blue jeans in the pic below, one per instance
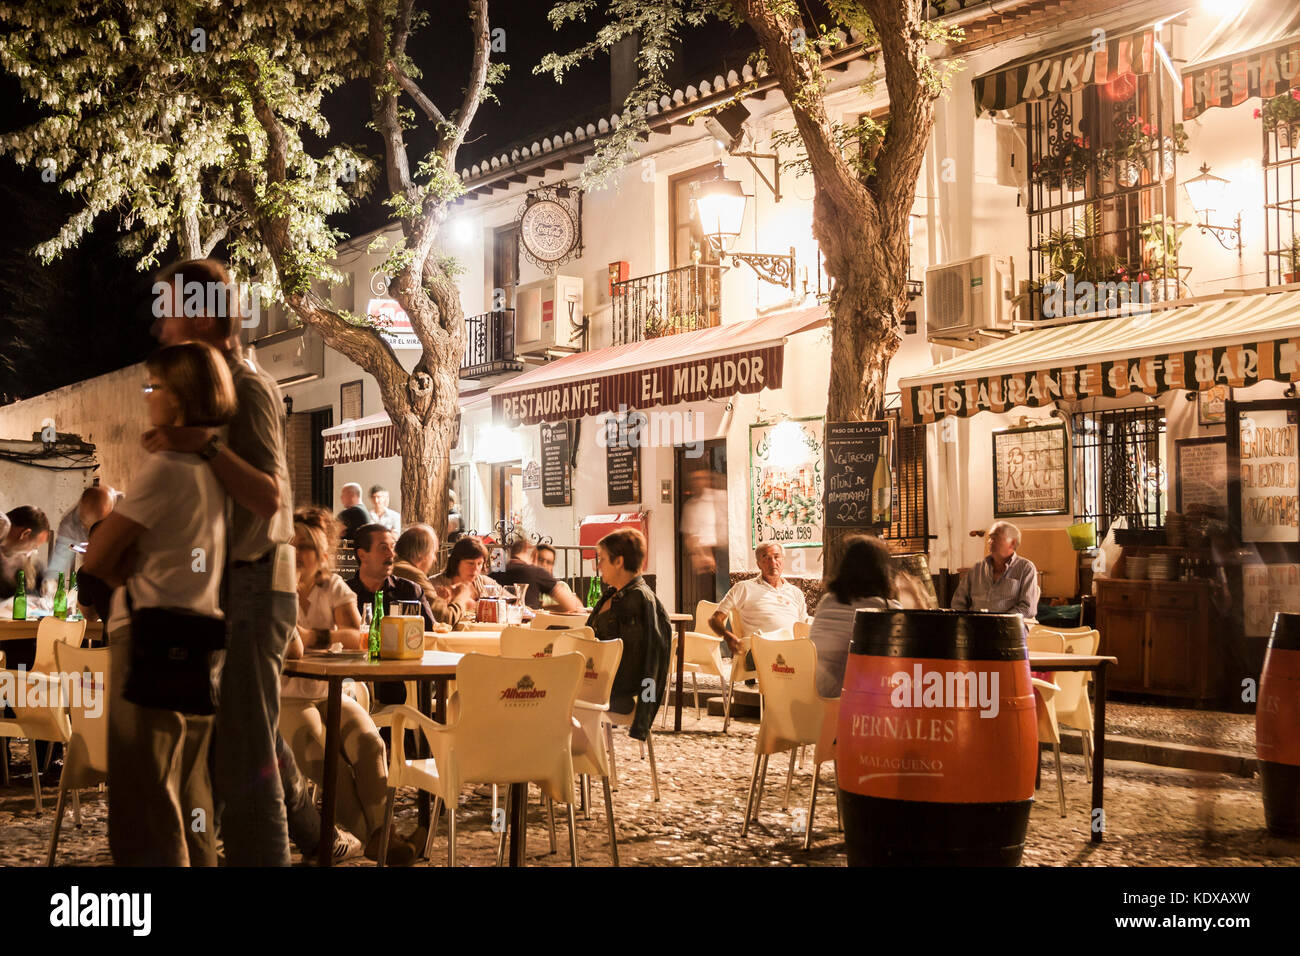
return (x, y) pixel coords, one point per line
(250, 798)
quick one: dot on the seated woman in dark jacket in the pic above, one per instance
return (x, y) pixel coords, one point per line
(630, 611)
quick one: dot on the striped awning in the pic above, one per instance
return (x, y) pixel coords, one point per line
(1088, 62)
(1253, 53)
(362, 439)
(1224, 341)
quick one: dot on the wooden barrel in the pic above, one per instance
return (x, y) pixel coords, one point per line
(937, 744)
(1277, 727)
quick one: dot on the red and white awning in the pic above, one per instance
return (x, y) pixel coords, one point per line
(362, 439)
(738, 357)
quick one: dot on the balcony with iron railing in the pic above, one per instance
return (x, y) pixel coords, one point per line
(489, 344)
(665, 303)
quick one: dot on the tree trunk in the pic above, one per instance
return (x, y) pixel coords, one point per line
(425, 445)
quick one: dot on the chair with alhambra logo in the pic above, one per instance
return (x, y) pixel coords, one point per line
(511, 721)
(795, 715)
(527, 642)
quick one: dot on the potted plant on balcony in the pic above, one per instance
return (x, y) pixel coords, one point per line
(1162, 238)
(1069, 167)
(1135, 141)
(1282, 114)
(1291, 261)
(1074, 255)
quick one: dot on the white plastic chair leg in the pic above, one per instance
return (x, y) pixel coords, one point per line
(613, 765)
(76, 803)
(573, 834)
(451, 834)
(58, 819)
(1060, 781)
(609, 815)
(494, 801)
(433, 826)
(762, 780)
(839, 798)
(4, 761)
(501, 839)
(36, 775)
(727, 696)
(389, 806)
(812, 808)
(749, 802)
(789, 779)
(654, 772)
(695, 688)
(550, 814)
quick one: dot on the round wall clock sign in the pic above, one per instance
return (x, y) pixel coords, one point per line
(547, 230)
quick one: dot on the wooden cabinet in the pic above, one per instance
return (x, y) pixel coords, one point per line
(1164, 634)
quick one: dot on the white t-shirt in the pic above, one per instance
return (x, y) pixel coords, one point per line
(321, 601)
(761, 607)
(182, 507)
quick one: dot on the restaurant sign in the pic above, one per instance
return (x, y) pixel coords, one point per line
(715, 376)
(1100, 60)
(370, 443)
(1229, 82)
(1196, 370)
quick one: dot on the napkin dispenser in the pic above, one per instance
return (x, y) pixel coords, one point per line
(401, 637)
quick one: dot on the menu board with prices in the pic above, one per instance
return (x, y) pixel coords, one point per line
(1268, 472)
(1202, 468)
(623, 438)
(557, 491)
(859, 482)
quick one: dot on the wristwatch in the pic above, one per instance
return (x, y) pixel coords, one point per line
(209, 449)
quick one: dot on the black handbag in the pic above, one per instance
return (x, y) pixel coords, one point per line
(176, 660)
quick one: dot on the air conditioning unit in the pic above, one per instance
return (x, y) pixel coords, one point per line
(973, 295)
(542, 315)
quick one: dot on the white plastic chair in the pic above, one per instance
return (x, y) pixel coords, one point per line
(552, 620)
(703, 653)
(1049, 731)
(85, 763)
(528, 642)
(41, 723)
(1073, 708)
(795, 715)
(494, 737)
(590, 755)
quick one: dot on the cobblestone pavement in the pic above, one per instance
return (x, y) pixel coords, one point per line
(1197, 728)
(1154, 816)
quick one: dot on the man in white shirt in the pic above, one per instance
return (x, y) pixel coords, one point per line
(383, 514)
(765, 603)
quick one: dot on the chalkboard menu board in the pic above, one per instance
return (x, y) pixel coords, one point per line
(858, 479)
(623, 437)
(1203, 474)
(556, 488)
(1030, 472)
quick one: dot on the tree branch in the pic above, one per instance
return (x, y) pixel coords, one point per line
(477, 81)
(417, 94)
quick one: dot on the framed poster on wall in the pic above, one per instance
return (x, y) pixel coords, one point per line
(786, 481)
(1264, 463)
(1031, 471)
(1201, 465)
(350, 404)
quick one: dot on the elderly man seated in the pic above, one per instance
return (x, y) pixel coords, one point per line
(1004, 582)
(765, 603)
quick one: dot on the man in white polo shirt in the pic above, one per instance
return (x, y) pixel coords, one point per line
(765, 603)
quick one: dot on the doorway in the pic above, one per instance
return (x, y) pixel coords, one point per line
(700, 506)
(507, 499)
(322, 478)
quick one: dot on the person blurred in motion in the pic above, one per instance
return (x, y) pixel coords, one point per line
(704, 531)
(465, 569)
(630, 611)
(523, 569)
(94, 505)
(258, 592)
(417, 549)
(158, 759)
(382, 514)
(354, 514)
(865, 579)
(545, 558)
(327, 614)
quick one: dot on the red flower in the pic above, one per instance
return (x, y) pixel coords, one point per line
(1295, 94)
(1144, 277)
(1258, 113)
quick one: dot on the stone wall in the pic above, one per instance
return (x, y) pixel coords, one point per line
(108, 411)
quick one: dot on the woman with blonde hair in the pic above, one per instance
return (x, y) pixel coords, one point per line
(327, 614)
(166, 544)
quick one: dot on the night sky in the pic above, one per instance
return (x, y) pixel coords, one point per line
(89, 313)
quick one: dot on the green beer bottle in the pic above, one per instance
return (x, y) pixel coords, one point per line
(74, 612)
(20, 599)
(61, 600)
(593, 592)
(376, 617)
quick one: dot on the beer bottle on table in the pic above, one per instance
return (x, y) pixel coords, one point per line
(61, 600)
(375, 620)
(73, 599)
(593, 592)
(20, 598)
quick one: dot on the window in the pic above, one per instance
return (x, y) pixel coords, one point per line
(1281, 204)
(1119, 467)
(1102, 175)
(909, 530)
(687, 236)
(505, 268)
